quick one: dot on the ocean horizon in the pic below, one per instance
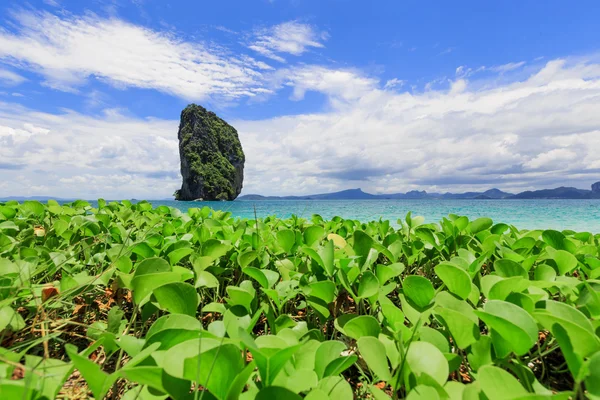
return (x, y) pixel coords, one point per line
(559, 214)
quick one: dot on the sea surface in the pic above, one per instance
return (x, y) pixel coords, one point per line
(578, 215)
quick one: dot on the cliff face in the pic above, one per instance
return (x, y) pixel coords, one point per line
(596, 188)
(212, 159)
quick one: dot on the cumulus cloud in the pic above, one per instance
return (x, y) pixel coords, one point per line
(541, 131)
(290, 37)
(69, 50)
(71, 154)
(338, 84)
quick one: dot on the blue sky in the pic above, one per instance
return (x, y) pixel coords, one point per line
(326, 95)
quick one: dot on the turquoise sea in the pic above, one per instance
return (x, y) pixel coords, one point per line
(579, 215)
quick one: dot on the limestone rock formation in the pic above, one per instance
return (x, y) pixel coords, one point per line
(212, 159)
(596, 188)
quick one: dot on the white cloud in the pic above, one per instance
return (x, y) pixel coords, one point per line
(338, 84)
(52, 3)
(10, 78)
(538, 132)
(69, 50)
(553, 159)
(290, 37)
(507, 67)
(395, 82)
(117, 156)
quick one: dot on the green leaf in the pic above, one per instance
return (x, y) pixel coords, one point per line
(34, 207)
(336, 388)
(425, 358)
(313, 234)
(206, 279)
(363, 325)
(98, 381)
(579, 328)
(258, 276)
(216, 369)
(480, 224)
(592, 381)
(419, 290)
(339, 365)
(498, 384)
(423, 392)
(324, 290)
(368, 285)
(565, 261)
(554, 239)
(143, 250)
(455, 278)
(286, 239)
(271, 364)
(327, 255)
(10, 319)
(276, 393)
(386, 272)
(143, 285)
(508, 268)
(177, 255)
(247, 257)
(177, 298)
(325, 354)
(362, 245)
(515, 325)
(374, 354)
(214, 248)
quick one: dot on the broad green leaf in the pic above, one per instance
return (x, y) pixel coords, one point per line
(455, 278)
(286, 239)
(325, 354)
(368, 285)
(374, 354)
(363, 325)
(419, 290)
(177, 255)
(497, 384)
(512, 323)
(177, 298)
(480, 224)
(324, 290)
(508, 268)
(313, 234)
(592, 381)
(276, 393)
(578, 327)
(246, 258)
(258, 276)
(565, 261)
(423, 357)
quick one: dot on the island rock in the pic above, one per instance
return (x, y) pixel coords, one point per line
(596, 188)
(212, 159)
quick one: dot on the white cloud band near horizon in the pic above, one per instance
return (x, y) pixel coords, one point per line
(539, 129)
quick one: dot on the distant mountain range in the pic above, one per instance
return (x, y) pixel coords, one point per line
(357, 194)
(497, 194)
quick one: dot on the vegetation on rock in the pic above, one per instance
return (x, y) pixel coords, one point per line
(212, 159)
(122, 300)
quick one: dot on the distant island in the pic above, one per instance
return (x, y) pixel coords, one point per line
(492, 194)
(211, 156)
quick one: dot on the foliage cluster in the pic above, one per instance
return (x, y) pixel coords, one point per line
(127, 301)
